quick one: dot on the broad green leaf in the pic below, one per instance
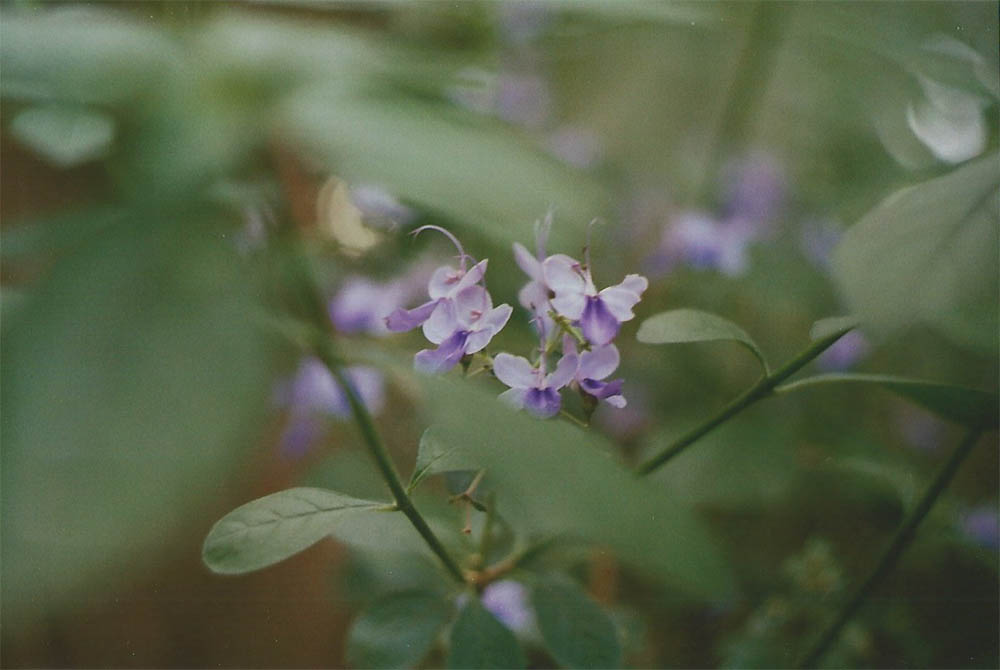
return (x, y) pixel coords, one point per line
(679, 326)
(929, 254)
(829, 326)
(65, 136)
(474, 170)
(270, 529)
(134, 382)
(551, 478)
(958, 403)
(397, 630)
(435, 457)
(478, 640)
(577, 632)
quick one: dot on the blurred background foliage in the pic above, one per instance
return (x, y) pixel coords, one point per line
(162, 160)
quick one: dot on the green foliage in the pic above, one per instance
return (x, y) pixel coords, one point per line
(680, 326)
(397, 631)
(270, 529)
(928, 254)
(960, 404)
(434, 457)
(131, 374)
(832, 325)
(553, 479)
(577, 632)
(478, 640)
(65, 136)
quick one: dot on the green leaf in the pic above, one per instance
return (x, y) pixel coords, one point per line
(478, 640)
(552, 479)
(832, 325)
(679, 326)
(435, 457)
(960, 404)
(577, 632)
(270, 529)
(65, 136)
(929, 254)
(397, 630)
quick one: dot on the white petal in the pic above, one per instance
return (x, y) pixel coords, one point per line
(563, 374)
(569, 305)
(599, 362)
(470, 305)
(616, 401)
(514, 371)
(442, 322)
(472, 277)
(514, 397)
(635, 283)
(527, 262)
(443, 281)
(563, 274)
(619, 302)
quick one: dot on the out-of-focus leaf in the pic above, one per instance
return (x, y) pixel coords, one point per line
(829, 326)
(435, 457)
(270, 529)
(929, 254)
(478, 640)
(443, 158)
(397, 631)
(958, 403)
(81, 54)
(679, 326)
(897, 479)
(132, 382)
(65, 136)
(577, 632)
(554, 479)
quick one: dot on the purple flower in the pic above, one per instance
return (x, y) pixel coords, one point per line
(592, 367)
(534, 296)
(445, 284)
(982, 526)
(362, 305)
(753, 189)
(507, 600)
(530, 387)
(845, 352)
(818, 240)
(600, 314)
(376, 203)
(575, 146)
(462, 325)
(699, 241)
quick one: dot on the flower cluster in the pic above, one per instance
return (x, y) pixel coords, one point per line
(572, 317)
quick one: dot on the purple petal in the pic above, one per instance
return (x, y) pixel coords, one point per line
(598, 363)
(507, 600)
(600, 389)
(488, 326)
(444, 358)
(514, 371)
(563, 274)
(531, 266)
(845, 352)
(442, 323)
(543, 403)
(300, 433)
(564, 372)
(599, 326)
(402, 320)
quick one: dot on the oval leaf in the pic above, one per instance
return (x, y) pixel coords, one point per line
(928, 254)
(478, 640)
(679, 326)
(397, 631)
(577, 632)
(270, 529)
(958, 403)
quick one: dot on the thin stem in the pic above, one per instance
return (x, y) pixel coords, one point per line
(900, 541)
(763, 388)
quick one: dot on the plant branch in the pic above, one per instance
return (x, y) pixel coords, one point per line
(763, 388)
(890, 556)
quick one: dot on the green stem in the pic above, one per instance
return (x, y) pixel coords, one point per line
(890, 556)
(763, 388)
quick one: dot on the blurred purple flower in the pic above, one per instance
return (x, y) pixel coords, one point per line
(919, 428)
(982, 526)
(378, 204)
(845, 352)
(522, 22)
(818, 240)
(507, 600)
(697, 240)
(575, 146)
(531, 388)
(459, 326)
(522, 98)
(753, 189)
(362, 305)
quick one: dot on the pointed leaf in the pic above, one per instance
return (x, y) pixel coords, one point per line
(478, 640)
(435, 457)
(958, 403)
(831, 325)
(397, 631)
(270, 529)
(577, 632)
(929, 254)
(680, 326)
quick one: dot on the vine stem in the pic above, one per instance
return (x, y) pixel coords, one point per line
(763, 388)
(892, 553)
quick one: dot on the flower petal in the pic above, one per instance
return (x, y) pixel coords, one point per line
(514, 397)
(534, 296)
(442, 323)
(471, 304)
(543, 403)
(570, 305)
(599, 326)
(369, 384)
(402, 320)
(563, 374)
(619, 301)
(443, 281)
(598, 363)
(635, 283)
(616, 401)
(528, 263)
(473, 276)
(563, 274)
(442, 359)
(514, 371)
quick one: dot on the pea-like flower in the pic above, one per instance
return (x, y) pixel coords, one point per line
(600, 314)
(593, 367)
(460, 325)
(530, 387)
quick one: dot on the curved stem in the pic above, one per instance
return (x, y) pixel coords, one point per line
(890, 556)
(763, 388)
